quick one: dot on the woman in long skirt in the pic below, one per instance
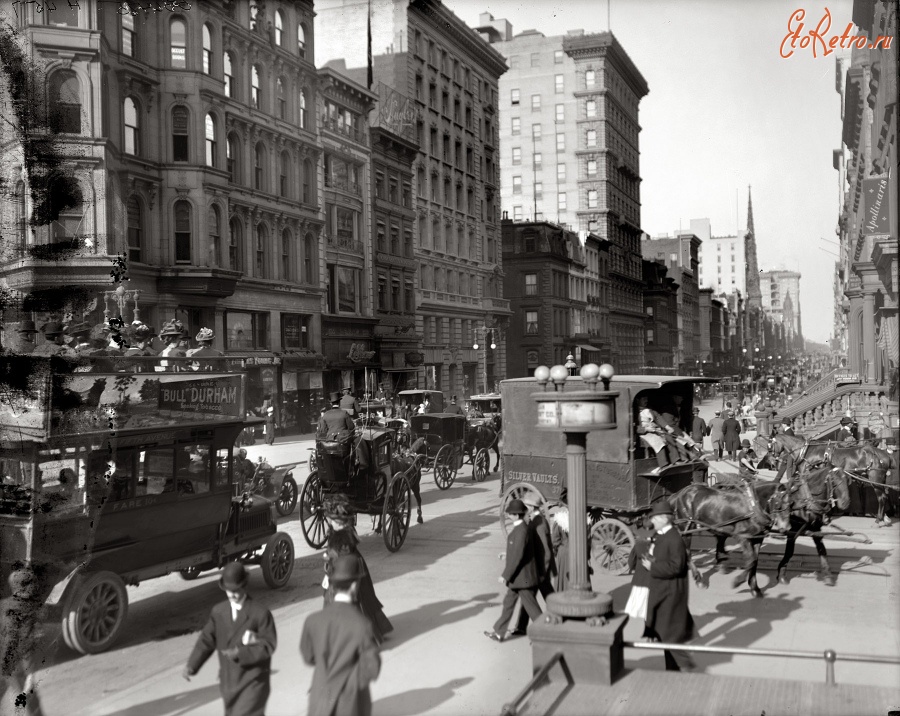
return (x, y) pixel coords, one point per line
(343, 541)
(636, 607)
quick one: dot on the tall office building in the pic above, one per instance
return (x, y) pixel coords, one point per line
(570, 154)
(422, 50)
(721, 261)
(781, 302)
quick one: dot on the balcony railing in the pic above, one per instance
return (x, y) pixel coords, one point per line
(354, 133)
(343, 185)
(344, 244)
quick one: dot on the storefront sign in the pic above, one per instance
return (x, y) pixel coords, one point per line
(414, 358)
(358, 354)
(212, 396)
(263, 360)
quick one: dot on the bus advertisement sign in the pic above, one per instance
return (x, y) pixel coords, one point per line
(219, 395)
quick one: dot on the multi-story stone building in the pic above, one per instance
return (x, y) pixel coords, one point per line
(660, 297)
(348, 321)
(679, 254)
(596, 314)
(721, 261)
(540, 259)
(426, 53)
(570, 154)
(190, 142)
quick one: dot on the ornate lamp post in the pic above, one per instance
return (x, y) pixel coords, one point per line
(484, 331)
(579, 622)
(570, 364)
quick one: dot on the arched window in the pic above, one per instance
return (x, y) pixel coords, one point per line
(255, 92)
(180, 129)
(135, 228)
(301, 39)
(284, 175)
(129, 35)
(207, 49)
(65, 102)
(309, 258)
(182, 214)
(279, 28)
(215, 236)
(21, 214)
(254, 13)
(262, 238)
(304, 120)
(286, 241)
(309, 182)
(228, 72)
(233, 158)
(178, 42)
(235, 244)
(259, 167)
(281, 103)
(210, 141)
(132, 127)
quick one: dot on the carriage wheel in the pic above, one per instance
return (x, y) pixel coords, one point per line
(444, 468)
(481, 464)
(94, 613)
(611, 543)
(396, 512)
(278, 560)
(287, 500)
(518, 491)
(312, 512)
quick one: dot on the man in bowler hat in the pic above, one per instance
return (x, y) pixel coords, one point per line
(668, 617)
(340, 643)
(335, 422)
(243, 633)
(520, 575)
(544, 558)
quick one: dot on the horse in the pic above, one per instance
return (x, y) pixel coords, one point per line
(810, 506)
(484, 436)
(855, 459)
(729, 512)
(402, 460)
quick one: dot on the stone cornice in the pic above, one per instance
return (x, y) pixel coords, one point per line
(603, 45)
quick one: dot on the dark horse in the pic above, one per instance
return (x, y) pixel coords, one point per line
(405, 458)
(855, 459)
(735, 511)
(485, 436)
(813, 495)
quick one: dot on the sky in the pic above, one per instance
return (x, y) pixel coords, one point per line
(725, 111)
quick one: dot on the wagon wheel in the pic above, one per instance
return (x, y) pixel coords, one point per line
(278, 560)
(611, 543)
(518, 491)
(396, 512)
(312, 512)
(444, 468)
(480, 465)
(94, 613)
(287, 500)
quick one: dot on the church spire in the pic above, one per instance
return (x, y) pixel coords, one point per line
(754, 296)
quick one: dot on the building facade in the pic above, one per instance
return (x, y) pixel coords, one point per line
(570, 154)
(450, 74)
(661, 310)
(781, 302)
(722, 261)
(191, 145)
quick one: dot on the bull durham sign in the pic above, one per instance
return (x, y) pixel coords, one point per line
(210, 396)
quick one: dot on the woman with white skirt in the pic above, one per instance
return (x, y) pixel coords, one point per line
(636, 607)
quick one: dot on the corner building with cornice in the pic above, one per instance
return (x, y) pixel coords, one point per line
(570, 154)
(192, 137)
(424, 52)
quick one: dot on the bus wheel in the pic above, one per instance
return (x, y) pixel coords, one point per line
(94, 613)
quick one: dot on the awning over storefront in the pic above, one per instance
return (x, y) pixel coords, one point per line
(302, 361)
(586, 347)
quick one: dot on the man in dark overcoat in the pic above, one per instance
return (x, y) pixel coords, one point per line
(335, 422)
(349, 403)
(453, 408)
(520, 574)
(787, 426)
(243, 633)
(668, 617)
(544, 558)
(340, 643)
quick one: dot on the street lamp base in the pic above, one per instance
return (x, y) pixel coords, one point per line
(579, 604)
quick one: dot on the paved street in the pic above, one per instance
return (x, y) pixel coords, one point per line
(440, 591)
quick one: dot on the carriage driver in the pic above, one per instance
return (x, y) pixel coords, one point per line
(336, 424)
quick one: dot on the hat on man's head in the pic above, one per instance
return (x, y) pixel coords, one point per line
(745, 443)
(718, 413)
(334, 397)
(662, 507)
(531, 501)
(695, 411)
(846, 421)
(205, 334)
(346, 390)
(346, 571)
(52, 328)
(787, 421)
(516, 507)
(234, 577)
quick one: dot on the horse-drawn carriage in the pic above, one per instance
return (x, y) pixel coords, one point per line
(622, 481)
(413, 402)
(442, 444)
(373, 413)
(484, 406)
(365, 468)
(484, 424)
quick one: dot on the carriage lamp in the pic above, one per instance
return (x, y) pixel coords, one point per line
(570, 364)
